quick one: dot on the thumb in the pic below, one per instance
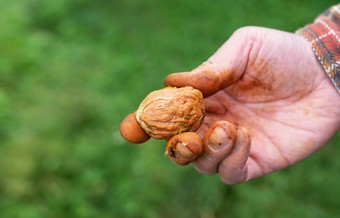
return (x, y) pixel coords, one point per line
(222, 69)
(205, 78)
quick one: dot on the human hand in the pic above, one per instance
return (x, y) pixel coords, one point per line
(269, 104)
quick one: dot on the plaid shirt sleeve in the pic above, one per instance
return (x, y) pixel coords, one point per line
(324, 37)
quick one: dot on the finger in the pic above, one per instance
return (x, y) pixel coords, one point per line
(205, 78)
(184, 148)
(217, 144)
(233, 169)
(132, 131)
(225, 67)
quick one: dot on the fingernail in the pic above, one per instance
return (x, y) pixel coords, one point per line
(219, 138)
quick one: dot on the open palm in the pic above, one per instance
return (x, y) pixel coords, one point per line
(268, 84)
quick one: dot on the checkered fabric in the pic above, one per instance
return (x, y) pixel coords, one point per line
(324, 37)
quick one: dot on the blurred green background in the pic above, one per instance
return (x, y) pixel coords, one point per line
(70, 70)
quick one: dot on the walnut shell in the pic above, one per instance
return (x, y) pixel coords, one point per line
(170, 111)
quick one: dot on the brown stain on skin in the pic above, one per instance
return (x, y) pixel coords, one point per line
(257, 82)
(265, 110)
(184, 148)
(211, 80)
(206, 78)
(202, 81)
(306, 112)
(308, 146)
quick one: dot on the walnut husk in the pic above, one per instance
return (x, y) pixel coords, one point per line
(171, 111)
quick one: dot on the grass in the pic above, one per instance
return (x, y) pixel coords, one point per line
(70, 70)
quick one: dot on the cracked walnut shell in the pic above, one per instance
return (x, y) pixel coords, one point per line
(171, 111)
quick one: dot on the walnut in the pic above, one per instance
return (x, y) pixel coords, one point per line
(171, 111)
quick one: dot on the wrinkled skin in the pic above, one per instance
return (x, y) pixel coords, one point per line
(271, 88)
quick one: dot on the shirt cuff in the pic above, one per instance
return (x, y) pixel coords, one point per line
(324, 38)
